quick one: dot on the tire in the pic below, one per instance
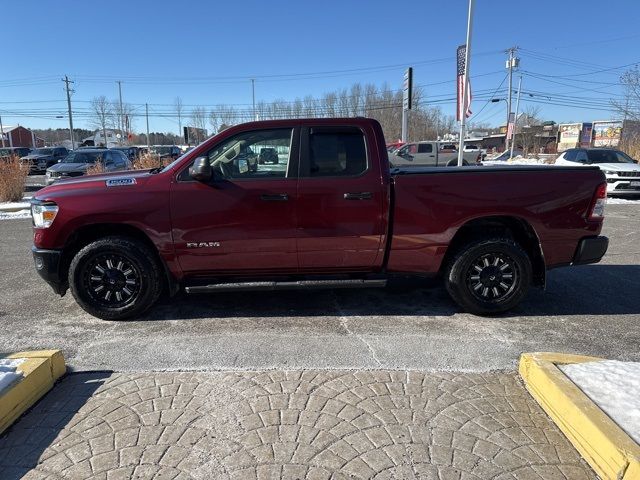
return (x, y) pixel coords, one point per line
(488, 277)
(125, 268)
(454, 163)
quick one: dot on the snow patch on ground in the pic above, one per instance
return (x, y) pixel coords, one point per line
(623, 201)
(14, 215)
(515, 161)
(8, 373)
(614, 386)
(11, 210)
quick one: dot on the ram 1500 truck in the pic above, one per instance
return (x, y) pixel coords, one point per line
(329, 214)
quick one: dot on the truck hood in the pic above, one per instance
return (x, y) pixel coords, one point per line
(69, 167)
(95, 183)
(36, 157)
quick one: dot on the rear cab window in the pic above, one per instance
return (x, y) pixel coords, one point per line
(335, 152)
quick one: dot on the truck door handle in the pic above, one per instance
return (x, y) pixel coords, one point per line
(358, 196)
(278, 197)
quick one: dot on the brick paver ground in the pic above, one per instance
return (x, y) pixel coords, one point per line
(296, 425)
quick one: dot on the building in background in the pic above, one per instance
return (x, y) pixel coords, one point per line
(19, 136)
(574, 135)
(613, 133)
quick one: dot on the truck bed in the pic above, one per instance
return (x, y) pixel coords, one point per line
(431, 204)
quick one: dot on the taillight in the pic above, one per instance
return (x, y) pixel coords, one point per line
(599, 202)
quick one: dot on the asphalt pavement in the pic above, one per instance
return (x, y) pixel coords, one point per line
(592, 310)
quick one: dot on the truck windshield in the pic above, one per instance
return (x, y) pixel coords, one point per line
(42, 151)
(83, 157)
(608, 156)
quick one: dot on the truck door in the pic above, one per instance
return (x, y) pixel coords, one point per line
(342, 200)
(243, 221)
(426, 155)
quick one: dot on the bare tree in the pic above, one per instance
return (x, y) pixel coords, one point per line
(101, 114)
(198, 117)
(177, 105)
(629, 106)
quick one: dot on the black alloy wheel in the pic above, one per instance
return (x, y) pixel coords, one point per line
(488, 277)
(116, 277)
(492, 276)
(111, 280)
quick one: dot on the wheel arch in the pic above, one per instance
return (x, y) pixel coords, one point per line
(512, 227)
(92, 232)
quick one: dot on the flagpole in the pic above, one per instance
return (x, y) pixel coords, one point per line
(465, 82)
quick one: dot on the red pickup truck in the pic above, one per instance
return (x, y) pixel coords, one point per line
(330, 213)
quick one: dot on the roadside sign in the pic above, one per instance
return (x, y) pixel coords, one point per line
(407, 89)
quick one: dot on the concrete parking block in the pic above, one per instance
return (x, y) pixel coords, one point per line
(40, 371)
(602, 443)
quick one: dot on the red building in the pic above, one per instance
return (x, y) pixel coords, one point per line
(20, 137)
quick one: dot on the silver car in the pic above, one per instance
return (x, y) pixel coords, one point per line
(77, 162)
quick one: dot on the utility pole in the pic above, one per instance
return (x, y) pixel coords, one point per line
(121, 116)
(515, 124)
(253, 95)
(511, 63)
(465, 84)
(146, 107)
(67, 82)
(1, 131)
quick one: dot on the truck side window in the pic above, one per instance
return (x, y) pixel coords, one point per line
(581, 156)
(238, 157)
(337, 153)
(570, 155)
(425, 148)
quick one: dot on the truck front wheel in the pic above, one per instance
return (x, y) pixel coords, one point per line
(488, 277)
(115, 278)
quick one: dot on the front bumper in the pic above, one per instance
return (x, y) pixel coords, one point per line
(617, 185)
(47, 263)
(590, 250)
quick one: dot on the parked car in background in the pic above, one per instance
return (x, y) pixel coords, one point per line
(476, 148)
(40, 159)
(622, 171)
(394, 146)
(431, 154)
(77, 162)
(268, 155)
(8, 152)
(132, 153)
(167, 151)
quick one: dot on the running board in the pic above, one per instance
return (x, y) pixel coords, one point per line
(299, 285)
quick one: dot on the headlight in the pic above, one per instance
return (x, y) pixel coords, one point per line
(609, 172)
(43, 215)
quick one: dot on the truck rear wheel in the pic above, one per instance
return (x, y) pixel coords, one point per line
(115, 278)
(454, 163)
(488, 277)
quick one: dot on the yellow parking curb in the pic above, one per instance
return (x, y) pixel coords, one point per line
(602, 443)
(40, 370)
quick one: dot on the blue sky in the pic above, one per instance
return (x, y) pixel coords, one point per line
(206, 52)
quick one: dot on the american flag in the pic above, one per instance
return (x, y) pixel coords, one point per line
(462, 50)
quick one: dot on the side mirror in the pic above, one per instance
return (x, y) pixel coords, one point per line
(201, 170)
